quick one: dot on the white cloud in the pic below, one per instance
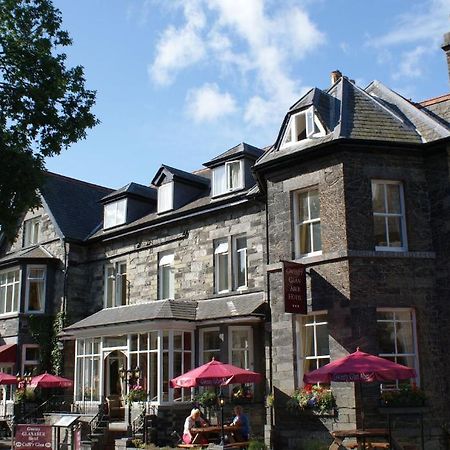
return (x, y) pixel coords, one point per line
(179, 48)
(428, 22)
(207, 103)
(410, 63)
(246, 39)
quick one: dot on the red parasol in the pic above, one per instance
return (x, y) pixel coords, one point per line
(6, 378)
(47, 380)
(215, 373)
(360, 367)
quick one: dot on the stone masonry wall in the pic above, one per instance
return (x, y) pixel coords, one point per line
(192, 242)
(350, 280)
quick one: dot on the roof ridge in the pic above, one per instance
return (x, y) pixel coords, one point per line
(433, 100)
(77, 181)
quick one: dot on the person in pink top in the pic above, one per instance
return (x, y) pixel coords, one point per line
(193, 420)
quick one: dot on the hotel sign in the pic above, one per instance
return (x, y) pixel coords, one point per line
(32, 437)
(294, 276)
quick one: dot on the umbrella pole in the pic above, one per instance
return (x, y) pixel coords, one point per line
(222, 430)
(361, 404)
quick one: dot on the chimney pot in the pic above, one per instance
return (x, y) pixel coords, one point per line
(336, 74)
(446, 48)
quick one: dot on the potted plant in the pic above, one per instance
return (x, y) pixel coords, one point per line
(409, 395)
(137, 394)
(317, 399)
(242, 393)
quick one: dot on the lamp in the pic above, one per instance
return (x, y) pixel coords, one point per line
(131, 376)
(221, 404)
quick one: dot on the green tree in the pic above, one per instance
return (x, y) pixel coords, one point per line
(44, 105)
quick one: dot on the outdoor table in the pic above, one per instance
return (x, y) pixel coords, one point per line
(359, 434)
(211, 430)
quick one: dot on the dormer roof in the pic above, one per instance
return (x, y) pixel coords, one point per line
(349, 112)
(134, 190)
(238, 151)
(173, 174)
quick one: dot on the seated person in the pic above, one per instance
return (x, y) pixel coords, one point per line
(240, 420)
(194, 420)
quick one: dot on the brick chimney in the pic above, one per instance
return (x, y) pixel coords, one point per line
(336, 74)
(446, 48)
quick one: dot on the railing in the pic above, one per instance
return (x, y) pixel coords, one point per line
(138, 423)
(55, 403)
(98, 419)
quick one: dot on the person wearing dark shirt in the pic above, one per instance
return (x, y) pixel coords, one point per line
(241, 420)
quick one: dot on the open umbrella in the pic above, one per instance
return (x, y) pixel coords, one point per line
(47, 380)
(215, 373)
(6, 378)
(360, 367)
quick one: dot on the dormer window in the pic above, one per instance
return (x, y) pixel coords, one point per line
(228, 177)
(115, 213)
(303, 125)
(165, 197)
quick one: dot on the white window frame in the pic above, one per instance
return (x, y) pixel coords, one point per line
(415, 356)
(201, 345)
(44, 295)
(301, 325)
(16, 287)
(401, 215)
(227, 187)
(221, 247)
(115, 219)
(28, 362)
(165, 197)
(249, 330)
(118, 278)
(166, 260)
(236, 254)
(308, 222)
(311, 119)
(31, 231)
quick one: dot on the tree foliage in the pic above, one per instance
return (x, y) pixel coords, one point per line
(44, 105)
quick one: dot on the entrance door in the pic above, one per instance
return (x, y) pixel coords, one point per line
(113, 363)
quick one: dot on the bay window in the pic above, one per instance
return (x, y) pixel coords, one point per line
(388, 215)
(397, 341)
(241, 347)
(9, 291)
(307, 232)
(312, 342)
(210, 344)
(87, 374)
(36, 280)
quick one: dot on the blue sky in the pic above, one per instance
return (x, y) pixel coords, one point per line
(179, 82)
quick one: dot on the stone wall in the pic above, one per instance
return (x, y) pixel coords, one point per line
(192, 242)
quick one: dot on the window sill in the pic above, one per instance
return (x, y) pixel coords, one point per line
(9, 315)
(223, 195)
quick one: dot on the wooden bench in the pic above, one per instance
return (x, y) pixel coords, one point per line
(242, 444)
(380, 445)
(192, 445)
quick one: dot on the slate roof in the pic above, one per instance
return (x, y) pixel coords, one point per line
(74, 204)
(134, 189)
(349, 112)
(177, 173)
(233, 306)
(242, 149)
(37, 252)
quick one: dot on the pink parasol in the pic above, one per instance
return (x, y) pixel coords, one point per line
(47, 380)
(6, 378)
(215, 373)
(360, 367)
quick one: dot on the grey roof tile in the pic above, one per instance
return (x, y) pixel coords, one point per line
(177, 173)
(36, 252)
(74, 204)
(232, 306)
(134, 189)
(242, 149)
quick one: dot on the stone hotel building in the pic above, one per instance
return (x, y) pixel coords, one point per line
(164, 277)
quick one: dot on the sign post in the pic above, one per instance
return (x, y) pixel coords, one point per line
(294, 281)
